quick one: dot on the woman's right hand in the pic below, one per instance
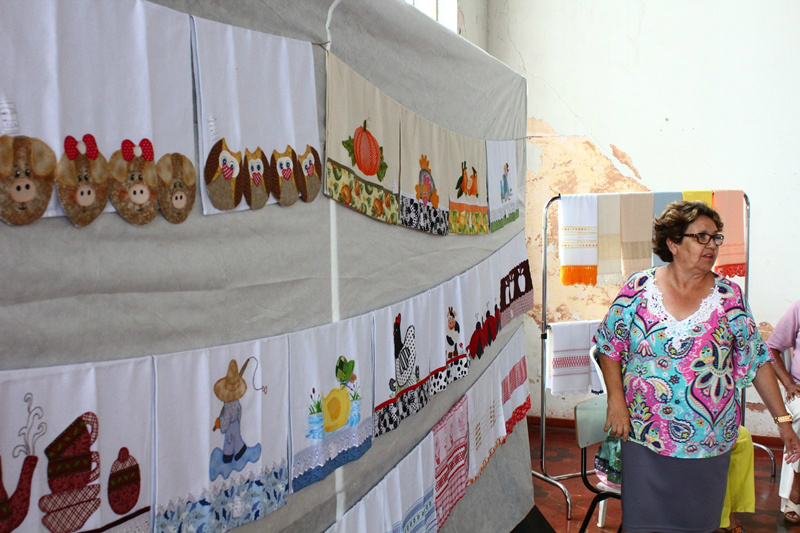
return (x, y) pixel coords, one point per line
(618, 419)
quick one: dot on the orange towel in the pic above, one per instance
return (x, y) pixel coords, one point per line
(731, 260)
(577, 239)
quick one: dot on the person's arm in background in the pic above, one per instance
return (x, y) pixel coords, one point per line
(792, 389)
(782, 338)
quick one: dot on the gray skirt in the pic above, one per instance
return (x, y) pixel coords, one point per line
(671, 495)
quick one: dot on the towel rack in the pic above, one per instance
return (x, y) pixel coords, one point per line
(556, 480)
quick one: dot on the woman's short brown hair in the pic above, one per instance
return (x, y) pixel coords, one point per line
(673, 222)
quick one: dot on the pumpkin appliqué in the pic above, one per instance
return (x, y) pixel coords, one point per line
(366, 153)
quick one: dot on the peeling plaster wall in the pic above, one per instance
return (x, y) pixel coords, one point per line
(626, 95)
(473, 22)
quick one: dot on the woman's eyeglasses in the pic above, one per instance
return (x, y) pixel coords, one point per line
(704, 238)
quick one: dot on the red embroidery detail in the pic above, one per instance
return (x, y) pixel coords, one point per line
(71, 147)
(227, 172)
(732, 270)
(91, 146)
(310, 170)
(516, 377)
(519, 413)
(257, 178)
(127, 149)
(147, 149)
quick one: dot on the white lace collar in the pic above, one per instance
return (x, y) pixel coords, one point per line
(678, 331)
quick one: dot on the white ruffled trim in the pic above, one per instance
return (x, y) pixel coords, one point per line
(678, 332)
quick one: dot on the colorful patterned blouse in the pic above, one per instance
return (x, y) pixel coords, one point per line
(680, 378)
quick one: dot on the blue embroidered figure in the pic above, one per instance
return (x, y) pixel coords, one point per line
(229, 389)
(235, 454)
(505, 190)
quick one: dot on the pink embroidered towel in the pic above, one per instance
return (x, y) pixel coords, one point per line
(450, 457)
(577, 239)
(515, 393)
(569, 369)
(636, 231)
(731, 260)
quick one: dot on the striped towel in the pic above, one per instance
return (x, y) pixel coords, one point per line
(609, 244)
(569, 368)
(731, 260)
(450, 455)
(702, 196)
(636, 231)
(577, 239)
(660, 202)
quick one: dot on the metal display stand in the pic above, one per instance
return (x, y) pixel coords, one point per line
(555, 480)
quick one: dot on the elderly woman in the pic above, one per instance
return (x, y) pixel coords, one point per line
(678, 342)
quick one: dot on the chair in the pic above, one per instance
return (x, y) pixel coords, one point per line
(590, 417)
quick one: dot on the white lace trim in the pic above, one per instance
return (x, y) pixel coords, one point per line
(331, 446)
(677, 332)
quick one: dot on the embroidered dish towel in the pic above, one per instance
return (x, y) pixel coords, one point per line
(425, 181)
(569, 369)
(699, 196)
(501, 173)
(609, 244)
(469, 207)
(479, 293)
(331, 397)
(404, 345)
(367, 515)
(448, 314)
(512, 373)
(81, 57)
(257, 118)
(731, 260)
(231, 403)
(516, 284)
(363, 149)
(636, 231)
(577, 239)
(409, 489)
(77, 453)
(487, 427)
(661, 199)
(450, 457)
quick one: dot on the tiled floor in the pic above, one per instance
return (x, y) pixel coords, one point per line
(563, 456)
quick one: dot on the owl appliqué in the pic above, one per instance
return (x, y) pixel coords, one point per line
(254, 187)
(283, 174)
(223, 184)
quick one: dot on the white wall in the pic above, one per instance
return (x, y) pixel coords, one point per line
(701, 94)
(473, 22)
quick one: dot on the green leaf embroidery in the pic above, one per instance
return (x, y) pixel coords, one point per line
(382, 170)
(348, 145)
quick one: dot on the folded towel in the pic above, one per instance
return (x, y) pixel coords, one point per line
(660, 202)
(569, 368)
(636, 231)
(702, 196)
(731, 260)
(577, 239)
(609, 244)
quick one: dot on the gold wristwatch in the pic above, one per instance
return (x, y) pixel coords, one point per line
(784, 418)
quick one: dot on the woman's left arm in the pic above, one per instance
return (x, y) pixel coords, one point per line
(766, 384)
